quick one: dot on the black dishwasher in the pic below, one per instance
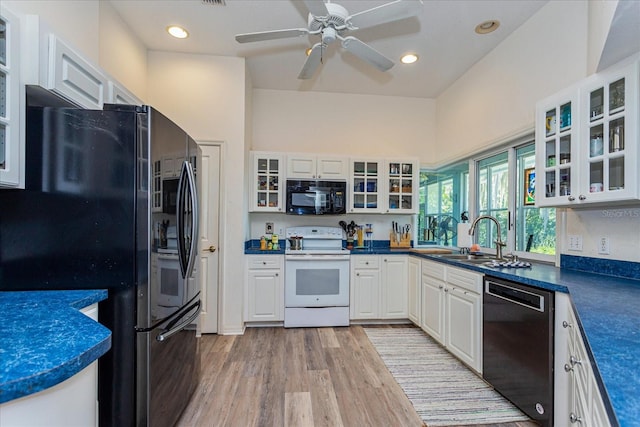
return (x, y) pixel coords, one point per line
(518, 345)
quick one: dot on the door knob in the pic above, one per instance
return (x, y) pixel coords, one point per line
(210, 249)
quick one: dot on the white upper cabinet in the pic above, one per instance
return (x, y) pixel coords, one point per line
(401, 185)
(11, 104)
(366, 184)
(304, 166)
(267, 182)
(73, 77)
(587, 141)
(118, 94)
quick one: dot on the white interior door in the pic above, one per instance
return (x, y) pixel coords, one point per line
(209, 253)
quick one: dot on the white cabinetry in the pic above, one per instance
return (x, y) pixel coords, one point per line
(11, 102)
(365, 287)
(586, 141)
(73, 77)
(303, 166)
(394, 287)
(413, 292)
(401, 186)
(265, 293)
(452, 310)
(578, 399)
(366, 183)
(267, 183)
(378, 287)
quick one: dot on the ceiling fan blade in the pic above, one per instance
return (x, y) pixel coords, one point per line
(367, 53)
(313, 61)
(393, 11)
(316, 7)
(271, 35)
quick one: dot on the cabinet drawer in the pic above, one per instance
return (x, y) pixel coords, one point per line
(268, 261)
(465, 279)
(433, 269)
(365, 261)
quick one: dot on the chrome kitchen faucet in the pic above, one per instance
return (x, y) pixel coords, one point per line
(499, 243)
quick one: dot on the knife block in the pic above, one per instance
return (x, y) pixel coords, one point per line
(405, 240)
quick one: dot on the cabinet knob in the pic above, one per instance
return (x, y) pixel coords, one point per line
(574, 418)
(566, 324)
(571, 198)
(276, 274)
(264, 263)
(357, 274)
(385, 260)
(582, 197)
(446, 289)
(440, 287)
(367, 262)
(567, 368)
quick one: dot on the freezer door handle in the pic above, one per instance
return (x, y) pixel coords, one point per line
(173, 328)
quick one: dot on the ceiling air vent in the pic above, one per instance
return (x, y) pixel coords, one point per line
(214, 2)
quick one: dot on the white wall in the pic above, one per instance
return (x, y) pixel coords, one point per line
(497, 96)
(320, 122)
(76, 22)
(205, 95)
(122, 54)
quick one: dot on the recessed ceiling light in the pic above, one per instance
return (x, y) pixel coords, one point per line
(177, 32)
(409, 58)
(487, 27)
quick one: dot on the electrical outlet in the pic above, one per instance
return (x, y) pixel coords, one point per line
(268, 228)
(603, 248)
(575, 242)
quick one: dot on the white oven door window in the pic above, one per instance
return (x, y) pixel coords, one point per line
(317, 283)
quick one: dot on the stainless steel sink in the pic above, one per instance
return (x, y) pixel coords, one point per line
(468, 258)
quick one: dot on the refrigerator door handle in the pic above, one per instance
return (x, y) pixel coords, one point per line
(187, 219)
(172, 328)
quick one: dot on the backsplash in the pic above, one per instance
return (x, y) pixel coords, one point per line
(626, 269)
(621, 225)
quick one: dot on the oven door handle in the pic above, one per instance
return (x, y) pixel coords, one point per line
(317, 257)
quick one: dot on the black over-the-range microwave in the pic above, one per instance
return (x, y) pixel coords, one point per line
(315, 197)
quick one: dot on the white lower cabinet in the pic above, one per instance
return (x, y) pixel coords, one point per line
(452, 310)
(578, 400)
(378, 287)
(265, 288)
(413, 291)
(394, 287)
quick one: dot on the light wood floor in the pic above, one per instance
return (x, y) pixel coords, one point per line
(297, 377)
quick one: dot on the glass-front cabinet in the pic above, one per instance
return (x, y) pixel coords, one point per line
(587, 141)
(11, 145)
(610, 140)
(557, 133)
(267, 182)
(366, 180)
(401, 184)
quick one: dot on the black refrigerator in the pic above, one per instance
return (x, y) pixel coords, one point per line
(111, 202)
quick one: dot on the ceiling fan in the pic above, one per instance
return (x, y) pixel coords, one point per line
(331, 21)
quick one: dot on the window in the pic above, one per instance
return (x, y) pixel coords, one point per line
(443, 198)
(535, 229)
(499, 190)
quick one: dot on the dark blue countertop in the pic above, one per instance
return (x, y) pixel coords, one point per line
(45, 339)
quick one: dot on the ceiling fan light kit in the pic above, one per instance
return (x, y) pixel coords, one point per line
(331, 21)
